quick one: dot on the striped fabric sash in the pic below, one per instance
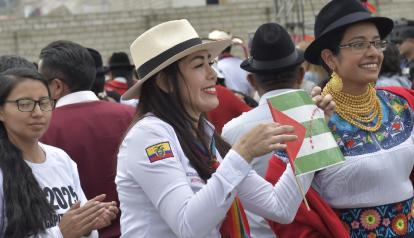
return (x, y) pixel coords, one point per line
(235, 224)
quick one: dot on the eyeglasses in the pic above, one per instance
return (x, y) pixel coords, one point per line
(362, 46)
(28, 105)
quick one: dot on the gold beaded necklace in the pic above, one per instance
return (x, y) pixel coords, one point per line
(357, 110)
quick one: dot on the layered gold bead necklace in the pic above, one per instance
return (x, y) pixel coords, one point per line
(357, 110)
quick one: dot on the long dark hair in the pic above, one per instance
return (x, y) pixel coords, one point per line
(26, 205)
(169, 107)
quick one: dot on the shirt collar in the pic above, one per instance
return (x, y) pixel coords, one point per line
(120, 79)
(209, 129)
(77, 97)
(264, 97)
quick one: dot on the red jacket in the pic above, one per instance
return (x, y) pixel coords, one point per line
(230, 107)
(320, 222)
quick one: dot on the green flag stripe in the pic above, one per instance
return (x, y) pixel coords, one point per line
(304, 113)
(319, 143)
(318, 161)
(316, 127)
(290, 100)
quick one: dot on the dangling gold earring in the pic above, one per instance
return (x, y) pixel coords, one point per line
(336, 82)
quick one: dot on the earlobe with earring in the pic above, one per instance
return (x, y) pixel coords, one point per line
(335, 82)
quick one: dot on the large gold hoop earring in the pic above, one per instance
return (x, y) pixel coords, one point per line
(336, 82)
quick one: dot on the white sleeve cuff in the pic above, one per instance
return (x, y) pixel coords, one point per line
(94, 234)
(234, 168)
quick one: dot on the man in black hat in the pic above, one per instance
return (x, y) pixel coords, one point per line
(120, 73)
(274, 67)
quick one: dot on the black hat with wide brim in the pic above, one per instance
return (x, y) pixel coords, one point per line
(120, 60)
(339, 14)
(100, 69)
(272, 51)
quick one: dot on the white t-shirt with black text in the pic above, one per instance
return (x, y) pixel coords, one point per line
(59, 179)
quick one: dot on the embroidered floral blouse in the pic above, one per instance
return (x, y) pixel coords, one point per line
(378, 164)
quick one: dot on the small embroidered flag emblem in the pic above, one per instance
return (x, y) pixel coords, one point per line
(159, 151)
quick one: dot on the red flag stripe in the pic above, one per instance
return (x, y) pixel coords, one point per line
(293, 147)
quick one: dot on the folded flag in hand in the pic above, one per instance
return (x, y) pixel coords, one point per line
(315, 148)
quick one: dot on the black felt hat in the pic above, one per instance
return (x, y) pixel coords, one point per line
(338, 14)
(100, 69)
(272, 50)
(120, 60)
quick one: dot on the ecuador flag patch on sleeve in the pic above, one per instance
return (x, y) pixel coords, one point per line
(159, 151)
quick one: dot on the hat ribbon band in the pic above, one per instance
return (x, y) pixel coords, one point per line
(350, 18)
(153, 63)
(265, 65)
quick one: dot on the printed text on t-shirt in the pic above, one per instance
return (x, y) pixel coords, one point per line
(60, 199)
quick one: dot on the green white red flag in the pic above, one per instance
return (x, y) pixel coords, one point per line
(316, 147)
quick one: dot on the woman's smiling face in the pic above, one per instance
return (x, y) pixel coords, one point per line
(358, 67)
(197, 81)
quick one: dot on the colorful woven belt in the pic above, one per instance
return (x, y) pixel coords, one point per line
(385, 221)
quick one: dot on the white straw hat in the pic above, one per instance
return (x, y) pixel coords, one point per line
(219, 35)
(164, 44)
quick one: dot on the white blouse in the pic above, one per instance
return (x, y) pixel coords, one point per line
(369, 180)
(167, 198)
(378, 165)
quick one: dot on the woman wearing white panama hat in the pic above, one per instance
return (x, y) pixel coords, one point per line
(168, 178)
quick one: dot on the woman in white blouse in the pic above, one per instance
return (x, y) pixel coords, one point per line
(168, 179)
(372, 191)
